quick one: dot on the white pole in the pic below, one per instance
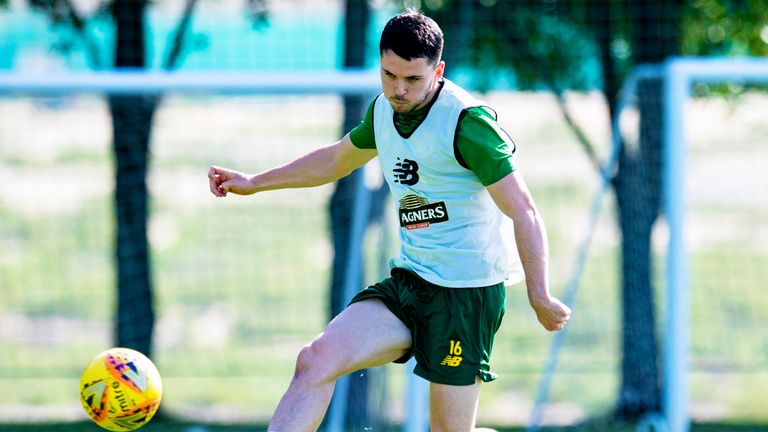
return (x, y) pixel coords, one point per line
(142, 81)
(337, 413)
(677, 338)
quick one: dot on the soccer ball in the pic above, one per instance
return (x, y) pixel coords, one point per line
(121, 389)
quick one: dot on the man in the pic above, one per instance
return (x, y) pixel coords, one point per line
(451, 172)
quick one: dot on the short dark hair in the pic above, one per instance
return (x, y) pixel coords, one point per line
(412, 35)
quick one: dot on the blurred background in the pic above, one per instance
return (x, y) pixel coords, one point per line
(109, 235)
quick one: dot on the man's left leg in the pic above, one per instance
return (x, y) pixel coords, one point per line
(453, 408)
(364, 335)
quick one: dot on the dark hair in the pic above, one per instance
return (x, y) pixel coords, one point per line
(412, 35)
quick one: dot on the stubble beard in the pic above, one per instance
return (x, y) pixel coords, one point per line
(403, 109)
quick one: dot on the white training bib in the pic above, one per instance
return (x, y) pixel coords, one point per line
(452, 233)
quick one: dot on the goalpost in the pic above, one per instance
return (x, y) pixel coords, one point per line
(680, 75)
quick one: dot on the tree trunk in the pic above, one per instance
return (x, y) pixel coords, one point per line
(638, 190)
(600, 15)
(638, 186)
(341, 204)
(131, 126)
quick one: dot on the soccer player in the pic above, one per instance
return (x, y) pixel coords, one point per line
(452, 174)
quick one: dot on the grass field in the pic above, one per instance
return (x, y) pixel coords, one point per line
(593, 426)
(240, 283)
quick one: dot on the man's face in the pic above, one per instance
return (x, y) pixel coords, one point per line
(407, 84)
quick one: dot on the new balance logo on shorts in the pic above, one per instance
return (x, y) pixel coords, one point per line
(453, 359)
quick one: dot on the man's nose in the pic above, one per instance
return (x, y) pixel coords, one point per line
(400, 89)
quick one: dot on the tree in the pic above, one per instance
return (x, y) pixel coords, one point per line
(131, 125)
(131, 128)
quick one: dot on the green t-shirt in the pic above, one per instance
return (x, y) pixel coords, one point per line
(482, 146)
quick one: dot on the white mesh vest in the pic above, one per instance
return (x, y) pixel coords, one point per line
(452, 234)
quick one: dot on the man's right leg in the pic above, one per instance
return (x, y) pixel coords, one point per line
(366, 334)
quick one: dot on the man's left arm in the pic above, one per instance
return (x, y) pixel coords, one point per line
(514, 199)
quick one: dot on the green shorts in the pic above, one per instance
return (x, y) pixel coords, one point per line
(452, 328)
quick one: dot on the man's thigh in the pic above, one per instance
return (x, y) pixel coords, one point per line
(364, 335)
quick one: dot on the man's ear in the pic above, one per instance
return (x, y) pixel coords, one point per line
(439, 69)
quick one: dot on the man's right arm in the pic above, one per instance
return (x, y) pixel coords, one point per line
(323, 165)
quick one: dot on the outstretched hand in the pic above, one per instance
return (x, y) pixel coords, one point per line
(551, 313)
(223, 180)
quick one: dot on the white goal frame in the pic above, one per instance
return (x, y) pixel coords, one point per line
(680, 74)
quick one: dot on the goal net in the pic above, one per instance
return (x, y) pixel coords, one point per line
(240, 284)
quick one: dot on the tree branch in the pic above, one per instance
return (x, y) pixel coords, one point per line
(541, 71)
(581, 137)
(79, 24)
(174, 55)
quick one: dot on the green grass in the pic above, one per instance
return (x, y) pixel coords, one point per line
(172, 426)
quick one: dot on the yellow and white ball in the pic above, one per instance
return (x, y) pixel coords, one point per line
(121, 389)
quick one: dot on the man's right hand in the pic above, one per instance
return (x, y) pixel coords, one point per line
(223, 180)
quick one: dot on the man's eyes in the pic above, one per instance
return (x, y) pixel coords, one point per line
(409, 79)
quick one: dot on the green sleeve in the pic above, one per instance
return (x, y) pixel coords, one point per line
(362, 135)
(483, 146)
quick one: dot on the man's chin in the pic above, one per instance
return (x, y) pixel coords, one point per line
(400, 107)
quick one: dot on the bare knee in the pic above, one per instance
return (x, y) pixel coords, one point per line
(452, 428)
(314, 365)
(444, 422)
